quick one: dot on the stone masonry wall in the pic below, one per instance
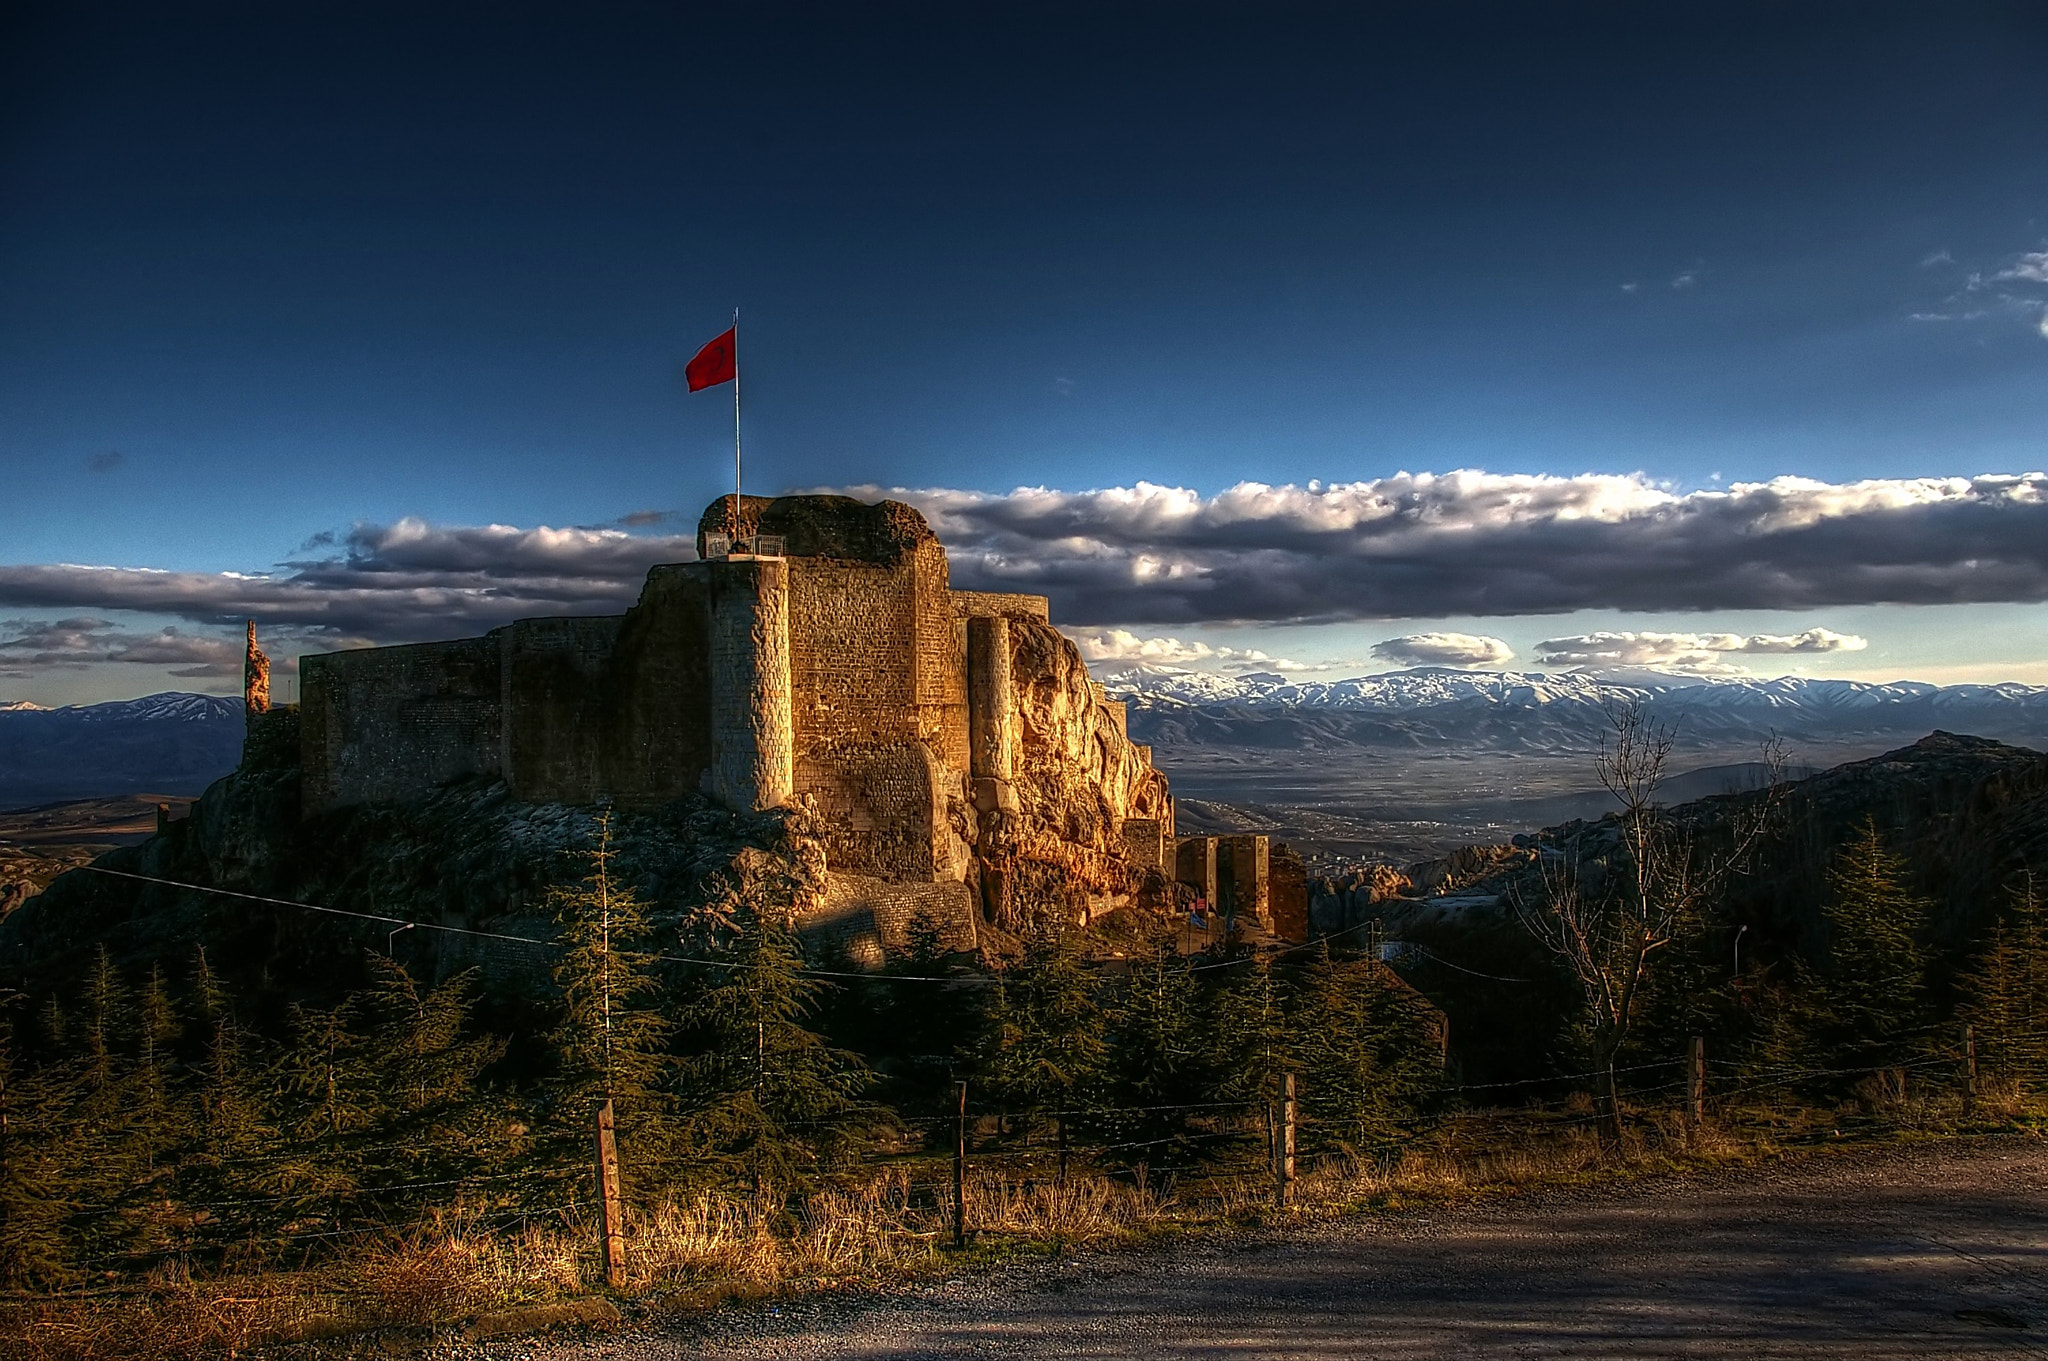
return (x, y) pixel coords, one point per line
(390, 722)
(553, 705)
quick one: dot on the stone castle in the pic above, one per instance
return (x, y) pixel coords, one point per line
(949, 746)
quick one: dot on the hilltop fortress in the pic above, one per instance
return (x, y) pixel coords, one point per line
(949, 745)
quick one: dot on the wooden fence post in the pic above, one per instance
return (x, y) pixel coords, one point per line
(1696, 1082)
(612, 1215)
(960, 1167)
(1283, 1144)
(1969, 1071)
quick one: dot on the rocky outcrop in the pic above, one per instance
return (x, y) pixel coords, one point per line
(1059, 853)
(255, 676)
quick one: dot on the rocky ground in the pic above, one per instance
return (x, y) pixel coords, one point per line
(1934, 1250)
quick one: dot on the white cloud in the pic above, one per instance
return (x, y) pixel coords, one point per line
(1444, 649)
(1699, 653)
(2032, 268)
(1686, 278)
(1124, 646)
(1937, 257)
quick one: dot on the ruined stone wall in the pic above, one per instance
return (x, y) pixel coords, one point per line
(554, 704)
(871, 918)
(390, 722)
(1244, 877)
(1001, 605)
(1195, 866)
(1288, 894)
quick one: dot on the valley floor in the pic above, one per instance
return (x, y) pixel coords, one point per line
(1929, 1250)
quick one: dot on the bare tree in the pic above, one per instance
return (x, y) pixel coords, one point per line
(1612, 926)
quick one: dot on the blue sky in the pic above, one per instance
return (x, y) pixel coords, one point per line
(266, 277)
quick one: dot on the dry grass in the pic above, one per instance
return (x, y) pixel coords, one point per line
(709, 1248)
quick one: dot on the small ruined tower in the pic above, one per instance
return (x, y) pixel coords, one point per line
(255, 676)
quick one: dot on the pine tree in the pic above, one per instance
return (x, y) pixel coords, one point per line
(1364, 1055)
(1872, 998)
(328, 1081)
(229, 1168)
(926, 1027)
(1044, 1047)
(1159, 1077)
(769, 1101)
(611, 1043)
(36, 1196)
(2005, 990)
(435, 1124)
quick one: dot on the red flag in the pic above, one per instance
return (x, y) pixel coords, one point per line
(718, 362)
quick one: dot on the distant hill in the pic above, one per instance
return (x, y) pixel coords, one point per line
(169, 744)
(1511, 711)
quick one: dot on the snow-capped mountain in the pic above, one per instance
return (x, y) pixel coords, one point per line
(1429, 706)
(172, 743)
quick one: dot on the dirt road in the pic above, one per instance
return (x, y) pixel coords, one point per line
(1935, 1251)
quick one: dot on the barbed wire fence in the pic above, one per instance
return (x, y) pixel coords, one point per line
(1221, 1148)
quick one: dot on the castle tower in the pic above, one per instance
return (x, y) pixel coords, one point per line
(753, 739)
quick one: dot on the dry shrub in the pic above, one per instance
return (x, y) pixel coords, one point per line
(708, 1237)
(221, 1318)
(433, 1276)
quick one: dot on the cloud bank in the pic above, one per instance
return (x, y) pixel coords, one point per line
(1410, 546)
(1444, 649)
(1479, 544)
(1700, 653)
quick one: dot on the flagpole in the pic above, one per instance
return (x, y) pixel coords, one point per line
(735, 427)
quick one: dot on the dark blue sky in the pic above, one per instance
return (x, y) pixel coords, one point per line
(274, 270)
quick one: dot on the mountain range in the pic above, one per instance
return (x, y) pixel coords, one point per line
(1516, 711)
(171, 743)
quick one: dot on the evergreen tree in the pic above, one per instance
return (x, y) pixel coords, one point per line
(229, 1166)
(1363, 1052)
(1044, 1046)
(37, 1197)
(926, 1027)
(1158, 1077)
(769, 1101)
(328, 1079)
(434, 1123)
(1872, 1000)
(612, 1041)
(2005, 991)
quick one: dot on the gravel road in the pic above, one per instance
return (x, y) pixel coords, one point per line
(1929, 1251)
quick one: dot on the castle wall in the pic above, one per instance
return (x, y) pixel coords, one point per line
(389, 722)
(1195, 866)
(871, 918)
(553, 699)
(657, 736)
(753, 746)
